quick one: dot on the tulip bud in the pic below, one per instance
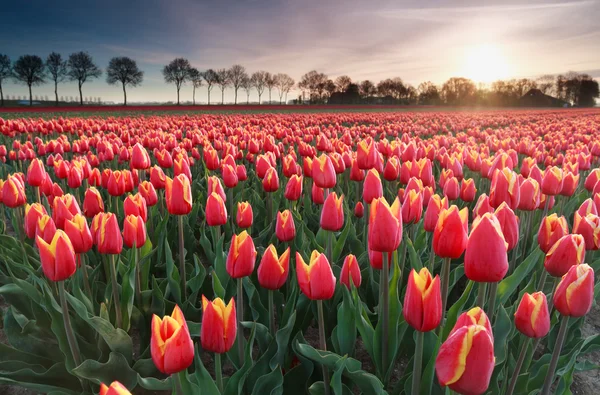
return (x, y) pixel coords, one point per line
(350, 271)
(33, 213)
(36, 173)
(134, 231)
(468, 190)
(359, 210)
(79, 233)
(293, 189)
(422, 307)
(171, 346)
(106, 233)
(552, 181)
(509, 223)
(92, 202)
(317, 194)
(216, 213)
(486, 259)
(372, 188)
(412, 208)
(316, 280)
(589, 228)
(323, 172)
(385, 225)
(450, 233)
(434, 207)
(285, 229)
(273, 270)
(115, 388)
(241, 256)
(135, 205)
(530, 194)
(178, 195)
(64, 208)
(219, 326)
(332, 213)
(532, 317)
(13, 192)
(271, 180)
(57, 257)
(551, 229)
(243, 217)
(574, 294)
(505, 188)
(465, 361)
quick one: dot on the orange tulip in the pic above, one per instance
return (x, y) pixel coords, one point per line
(450, 234)
(57, 257)
(219, 326)
(385, 225)
(316, 280)
(241, 256)
(178, 194)
(422, 307)
(532, 317)
(350, 270)
(171, 346)
(574, 294)
(273, 270)
(486, 259)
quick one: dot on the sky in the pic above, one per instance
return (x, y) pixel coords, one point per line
(374, 39)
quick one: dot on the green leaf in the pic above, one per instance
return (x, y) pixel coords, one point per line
(341, 241)
(235, 384)
(172, 274)
(282, 338)
(269, 384)
(508, 286)
(116, 368)
(455, 310)
(203, 378)
(345, 330)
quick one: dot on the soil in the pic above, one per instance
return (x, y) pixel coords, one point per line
(588, 382)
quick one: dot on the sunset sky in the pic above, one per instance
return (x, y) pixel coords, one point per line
(374, 39)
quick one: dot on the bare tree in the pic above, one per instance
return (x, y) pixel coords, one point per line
(29, 69)
(367, 88)
(428, 93)
(247, 86)
(197, 79)
(211, 78)
(342, 82)
(258, 80)
(5, 73)
(224, 80)
(270, 82)
(125, 71)
(177, 72)
(284, 84)
(314, 83)
(82, 68)
(545, 83)
(57, 68)
(237, 74)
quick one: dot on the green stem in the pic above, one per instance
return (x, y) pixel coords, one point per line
(403, 260)
(323, 344)
(182, 257)
(115, 291)
(86, 282)
(271, 313)
(385, 313)
(546, 205)
(515, 376)
(219, 372)
(177, 382)
(560, 339)
(418, 362)
(492, 301)
(240, 317)
(540, 286)
(431, 258)
(481, 294)
(445, 283)
(138, 280)
(68, 328)
(329, 247)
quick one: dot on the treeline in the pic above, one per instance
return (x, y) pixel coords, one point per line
(315, 87)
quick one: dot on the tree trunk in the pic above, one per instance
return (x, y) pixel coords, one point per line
(80, 96)
(177, 95)
(247, 97)
(259, 95)
(1, 96)
(56, 91)
(194, 95)
(209, 96)
(222, 96)
(124, 96)
(30, 96)
(269, 96)
(235, 98)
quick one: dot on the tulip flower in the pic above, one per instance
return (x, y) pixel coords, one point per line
(422, 307)
(359, 210)
(589, 228)
(532, 317)
(391, 172)
(135, 205)
(45, 228)
(218, 330)
(92, 202)
(468, 191)
(33, 213)
(181, 166)
(435, 205)
(216, 213)
(412, 208)
(293, 189)
(285, 229)
(450, 233)
(332, 213)
(505, 188)
(36, 173)
(530, 194)
(64, 208)
(116, 183)
(570, 183)
(509, 223)
(157, 177)
(587, 207)
(385, 225)
(243, 217)
(323, 172)
(316, 279)
(57, 257)
(475, 316)
(148, 192)
(178, 194)
(79, 233)
(271, 180)
(356, 174)
(350, 271)
(115, 388)
(551, 229)
(552, 181)
(107, 234)
(13, 192)
(366, 154)
(75, 177)
(372, 188)
(241, 256)
(568, 251)
(134, 231)
(486, 259)
(465, 361)
(139, 157)
(574, 294)
(171, 346)
(451, 188)
(273, 270)
(482, 206)
(214, 185)
(317, 194)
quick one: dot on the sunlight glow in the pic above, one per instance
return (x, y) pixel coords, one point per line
(486, 63)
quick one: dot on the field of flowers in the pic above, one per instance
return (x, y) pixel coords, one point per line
(323, 253)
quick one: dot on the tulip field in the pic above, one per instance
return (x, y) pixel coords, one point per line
(300, 253)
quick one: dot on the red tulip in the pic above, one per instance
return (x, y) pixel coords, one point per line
(271, 180)
(332, 213)
(589, 228)
(178, 195)
(366, 154)
(323, 172)
(475, 316)
(505, 188)
(468, 191)
(530, 194)
(482, 206)
(316, 279)
(432, 213)
(36, 173)
(285, 229)
(552, 181)
(241, 256)
(216, 213)
(350, 270)
(551, 229)
(171, 346)
(486, 259)
(92, 202)
(317, 194)
(148, 192)
(57, 257)
(509, 223)
(385, 225)
(574, 294)
(570, 183)
(273, 270)
(451, 189)
(293, 189)
(106, 233)
(139, 157)
(157, 177)
(568, 251)
(587, 207)
(45, 228)
(116, 183)
(422, 307)
(13, 192)
(243, 217)
(79, 233)
(219, 326)
(214, 185)
(372, 188)
(33, 213)
(532, 317)
(359, 210)
(134, 231)
(135, 205)
(412, 208)
(450, 234)
(64, 208)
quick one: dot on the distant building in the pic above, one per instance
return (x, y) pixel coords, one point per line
(536, 98)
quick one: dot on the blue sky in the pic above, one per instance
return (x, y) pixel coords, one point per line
(375, 39)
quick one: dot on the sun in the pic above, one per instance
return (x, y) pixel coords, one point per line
(486, 63)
